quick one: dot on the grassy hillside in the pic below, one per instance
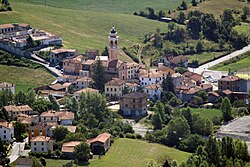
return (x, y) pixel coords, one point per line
(25, 77)
(130, 152)
(82, 29)
(118, 6)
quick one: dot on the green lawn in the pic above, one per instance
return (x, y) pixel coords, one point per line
(241, 65)
(25, 77)
(55, 162)
(130, 152)
(244, 28)
(207, 113)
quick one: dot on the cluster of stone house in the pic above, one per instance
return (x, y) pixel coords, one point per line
(13, 37)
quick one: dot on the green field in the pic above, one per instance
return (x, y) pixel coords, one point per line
(89, 26)
(241, 65)
(204, 57)
(207, 113)
(244, 28)
(131, 152)
(25, 77)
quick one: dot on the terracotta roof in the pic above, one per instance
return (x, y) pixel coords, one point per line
(77, 59)
(62, 93)
(227, 92)
(153, 87)
(6, 85)
(230, 78)
(132, 64)
(192, 90)
(206, 86)
(131, 85)
(166, 70)
(100, 138)
(115, 82)
(61, 115)
(71, 129)
(114, 63)
(196, 77)
(2, 26)
(89, 62)
(39, 127)
(58, 86)
(66, 115)
(57, 51)
(188, 73)
(135, 95)
(40, 139)
(70, 146)
(178, 59)
(87, 90)
(6, 124)
(85, 79)
(152, 74)
(214, 94)
(13, 108)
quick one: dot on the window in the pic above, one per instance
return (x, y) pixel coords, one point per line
(42, 143)
(149, 79)
(115, 89)
(42, 149)
(134, 100)
(142, 79)
(4, 131)
(44, 118)
(4, 136)
(41, 132)
(107, 89)
(126, 105)
(34, 143)
(147, 91)
(34, 148)
(111, 89)
(133, 106)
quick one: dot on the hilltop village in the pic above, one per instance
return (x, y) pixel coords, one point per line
(96, 96)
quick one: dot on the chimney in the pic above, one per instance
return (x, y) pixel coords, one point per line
(160, 65)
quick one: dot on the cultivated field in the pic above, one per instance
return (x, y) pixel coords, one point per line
(25, 77)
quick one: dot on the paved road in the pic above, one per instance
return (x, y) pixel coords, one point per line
(17, 150)
(55, 71)
(205, 67)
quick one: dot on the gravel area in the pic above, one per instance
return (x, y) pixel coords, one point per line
(238, 128)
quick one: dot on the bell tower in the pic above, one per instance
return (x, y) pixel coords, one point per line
(113, 45)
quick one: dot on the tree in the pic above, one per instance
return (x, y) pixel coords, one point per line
(174, 102)
(151, 14)
(160, 15)
(30, 41)
(183, 5)
(178, 129)
(99, 76)
(194, 27)
(213, 151)
(54, 103)
(19, 129)
(72, 105)
(226, 109)
(191, 143)
(74, 137)
(20, 98)
(105, 51)
(6, 97)
(159, 108)
(36, 163)
(156, 121)
(181, 18)
(168, 84)
(81, 153)
(60, 133)
(199, 47)
(31, 97)
(194, 3)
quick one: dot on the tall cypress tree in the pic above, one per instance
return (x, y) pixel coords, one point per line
(168, 84)
(99, 76)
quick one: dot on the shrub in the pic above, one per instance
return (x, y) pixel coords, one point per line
(138, 136)
(130, 135)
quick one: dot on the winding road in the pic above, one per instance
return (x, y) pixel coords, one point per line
(17, 150)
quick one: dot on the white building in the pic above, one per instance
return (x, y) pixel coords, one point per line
(83, 82)
(5, 86)
(153, 91)
(63, 118)
(114, 88)
(6, 131)
(41, 144)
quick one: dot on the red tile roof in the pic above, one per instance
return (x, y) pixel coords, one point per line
(100, 138)
(177, 59)
(40, 139)
(116, 82)
(70, 146)
(153, 87)
(6, 125)
(230, 78)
